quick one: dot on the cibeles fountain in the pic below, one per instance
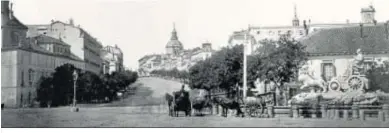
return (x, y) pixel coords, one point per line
(351, 88)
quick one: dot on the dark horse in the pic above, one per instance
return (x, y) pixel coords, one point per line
(226, 104)
(169, 99)
(181, 102)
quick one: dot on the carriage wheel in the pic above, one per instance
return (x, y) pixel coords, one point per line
(355, 83)
(334, 85)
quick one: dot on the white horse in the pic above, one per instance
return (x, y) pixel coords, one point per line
(310, 81)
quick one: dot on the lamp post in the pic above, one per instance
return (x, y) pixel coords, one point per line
(75, 76)
(245, 64)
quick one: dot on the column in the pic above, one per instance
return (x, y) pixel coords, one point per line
(314, 111)
(385, 109)
(270, 111)
(345, 114)
(324, 111)
(337, 112)
(362, 113)
(295, 111)
(355, 111)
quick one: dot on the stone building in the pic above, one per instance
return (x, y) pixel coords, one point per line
(113, 59)
(82, 43)
(25, 60)
(295, 31)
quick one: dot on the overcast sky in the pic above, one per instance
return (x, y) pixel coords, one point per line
(141, 27)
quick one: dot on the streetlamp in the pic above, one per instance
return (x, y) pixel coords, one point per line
(75, 76)
(245, 63)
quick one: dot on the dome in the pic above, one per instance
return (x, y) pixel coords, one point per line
(173, 43)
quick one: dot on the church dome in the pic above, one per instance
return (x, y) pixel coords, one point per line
(174, 42)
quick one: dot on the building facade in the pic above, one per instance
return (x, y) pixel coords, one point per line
(113, 59)
(25, 60)
(296, 31)
(331, 51)
(82, 44)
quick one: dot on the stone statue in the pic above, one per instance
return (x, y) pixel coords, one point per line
(310, 81)
(358, 63)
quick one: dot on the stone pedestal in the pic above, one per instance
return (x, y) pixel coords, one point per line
(381, 115)
(355, 110)
(324, 111)
(385, 109)
(362, 114)
(337, 113)
(345, 114)
(270, 110)
(74, 109)
(314, 111)
(295, 111)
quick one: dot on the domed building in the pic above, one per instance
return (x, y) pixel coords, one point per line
(174, 47)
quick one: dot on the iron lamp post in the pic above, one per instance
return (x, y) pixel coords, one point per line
(75, 77)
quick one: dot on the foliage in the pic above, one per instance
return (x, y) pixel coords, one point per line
(223, 70)
(378, 77)
(59, 88)
(173, 73)
(277, 62)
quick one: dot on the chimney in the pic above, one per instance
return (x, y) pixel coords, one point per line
(361, 29)
(347, 21)
(5, 8)
(71, 21)
(375, 22)
(52, 21)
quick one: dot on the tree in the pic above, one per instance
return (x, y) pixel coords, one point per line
(378, 77)
(279, 64)
(223, 70)
(45, 91)
(63, 83)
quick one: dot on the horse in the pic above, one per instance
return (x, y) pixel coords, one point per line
(169, 99)
(199, 100)
(310, 81)
(181, 102)
(226, 104)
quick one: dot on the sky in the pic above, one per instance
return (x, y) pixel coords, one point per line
(141, 27)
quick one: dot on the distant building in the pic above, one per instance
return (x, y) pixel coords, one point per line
(25, 60)
(82, 43)
(295, 31)
(175, 57)
(113, 59)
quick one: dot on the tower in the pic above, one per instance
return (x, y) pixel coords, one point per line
(367, 14)
(174, 46)
(295, 21)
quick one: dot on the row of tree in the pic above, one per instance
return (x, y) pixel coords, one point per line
(276, 61)
(58, 89)
(173, 73)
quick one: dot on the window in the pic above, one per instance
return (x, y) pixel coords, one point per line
(258, 32)
(15, 37)
(301, 32)
(22, 76)
(30, 77)
(328, 71)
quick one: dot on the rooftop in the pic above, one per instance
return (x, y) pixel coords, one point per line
(372, 39)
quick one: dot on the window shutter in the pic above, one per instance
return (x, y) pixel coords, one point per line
(322, 71)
